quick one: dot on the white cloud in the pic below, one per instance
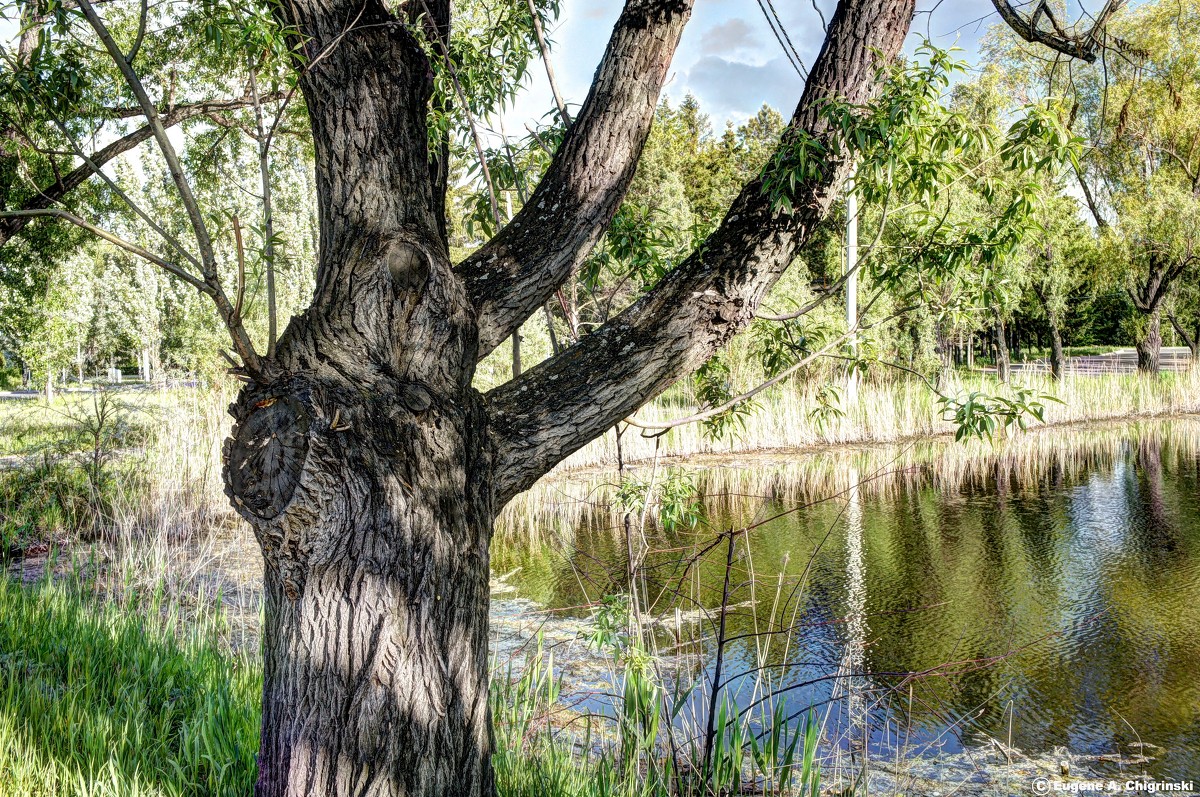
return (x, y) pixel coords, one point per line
(728, 37)
(734, 90)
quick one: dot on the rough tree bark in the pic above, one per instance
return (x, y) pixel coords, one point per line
(1149, 343)
(1000, 340)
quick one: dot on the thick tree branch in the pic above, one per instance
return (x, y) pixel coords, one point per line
(514, 274)
(560, 405)
(1082, 46)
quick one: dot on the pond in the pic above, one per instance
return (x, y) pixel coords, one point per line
(1044, 592)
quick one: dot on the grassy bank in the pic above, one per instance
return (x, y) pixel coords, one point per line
(112, 700)
(124, 697)
(134, 670)
(130, 466)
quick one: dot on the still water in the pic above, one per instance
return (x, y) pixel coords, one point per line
(1044, 593)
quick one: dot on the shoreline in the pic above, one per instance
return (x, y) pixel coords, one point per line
(714, 458)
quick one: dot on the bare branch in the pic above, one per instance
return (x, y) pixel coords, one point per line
(264, 173)
(141, 32)
(241, 261)
(514, 274)
(120, 192)
(192, 109)
(545, 53)
(232, 319)
(174, 165)
(110, 237)
(58, 190)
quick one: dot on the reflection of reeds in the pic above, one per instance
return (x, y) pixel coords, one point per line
(893, 411)
(557, 505)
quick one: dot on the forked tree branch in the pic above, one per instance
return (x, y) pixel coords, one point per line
(517, 271)
(558, 406)
(1082, 46)
(158, 130)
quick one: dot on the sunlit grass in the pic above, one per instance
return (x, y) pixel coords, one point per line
(146, 464)
(102, 699)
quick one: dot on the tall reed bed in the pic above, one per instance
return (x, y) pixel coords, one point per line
(553, 507)
(669, 723)
(885, 412)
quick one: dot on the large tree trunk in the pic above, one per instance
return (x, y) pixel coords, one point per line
(1057, 360)
(374, 511)
(1149, 343)
(370, 469)
(1000, 338)
(361, 459)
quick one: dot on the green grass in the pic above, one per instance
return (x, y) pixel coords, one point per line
(104, 699)
(74, 424)
(1034, 352)
(645, 747)
(99, 699)
(43, 503)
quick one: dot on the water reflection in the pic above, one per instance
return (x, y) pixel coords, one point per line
(1045, 593)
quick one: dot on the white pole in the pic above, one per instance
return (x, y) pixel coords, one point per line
(852, 282)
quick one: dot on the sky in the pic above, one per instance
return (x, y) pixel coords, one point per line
(728, 57)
